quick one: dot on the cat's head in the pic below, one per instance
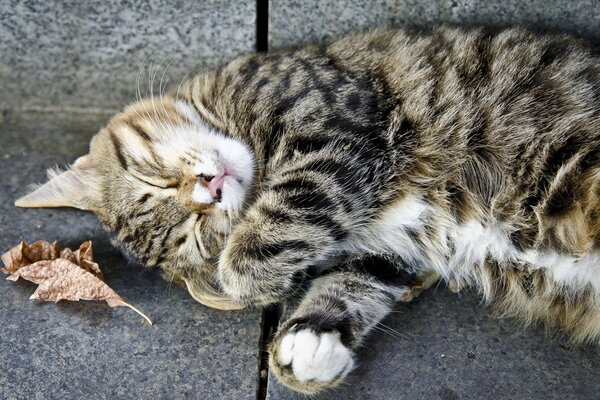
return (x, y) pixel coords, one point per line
(166, 184)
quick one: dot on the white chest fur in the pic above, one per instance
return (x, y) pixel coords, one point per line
(459, 248)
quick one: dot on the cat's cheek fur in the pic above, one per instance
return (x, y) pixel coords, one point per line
(201, 194)
(233, 195)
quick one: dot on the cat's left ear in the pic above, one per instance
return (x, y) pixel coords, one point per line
(76, 187)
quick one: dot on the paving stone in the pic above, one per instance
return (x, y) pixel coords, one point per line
(294, 22)
(86, 54)
(447, 346)
(75, 350)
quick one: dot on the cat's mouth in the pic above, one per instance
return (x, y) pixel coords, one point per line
(228, 192)
(229, 189)
(225, 191)
(214, 184)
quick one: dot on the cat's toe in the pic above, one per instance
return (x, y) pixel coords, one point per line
(308, 361)
(421, 283)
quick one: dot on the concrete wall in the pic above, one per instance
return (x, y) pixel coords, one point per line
(66, 65)
(86, 54)
(293, 22)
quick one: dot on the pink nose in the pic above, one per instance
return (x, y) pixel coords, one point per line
(215, 186)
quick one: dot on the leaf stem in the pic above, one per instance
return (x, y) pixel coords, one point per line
(136, 310)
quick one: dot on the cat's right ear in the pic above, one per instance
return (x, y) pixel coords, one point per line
(76, 187)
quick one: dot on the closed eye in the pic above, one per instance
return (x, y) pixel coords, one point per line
(155, 183)
(207, 178)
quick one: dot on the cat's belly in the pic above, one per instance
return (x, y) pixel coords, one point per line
(432, 240)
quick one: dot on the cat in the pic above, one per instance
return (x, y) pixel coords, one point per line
(362, 170)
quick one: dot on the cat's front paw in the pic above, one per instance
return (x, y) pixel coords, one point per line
(307, 361)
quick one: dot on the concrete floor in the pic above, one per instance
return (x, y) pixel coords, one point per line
(75, 350)
(449, 347)
(84, 57)
(442, 346)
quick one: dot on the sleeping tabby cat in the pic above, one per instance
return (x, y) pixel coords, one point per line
(363, 169)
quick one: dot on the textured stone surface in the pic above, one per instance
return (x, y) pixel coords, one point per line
(75, 350)
(292, 22)
(86, 54)
(449, 347)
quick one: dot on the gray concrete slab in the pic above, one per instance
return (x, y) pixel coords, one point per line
(86, 54)
(82, 59)
(447, 346)
(76, 350)
(443, 345)
(294, 22)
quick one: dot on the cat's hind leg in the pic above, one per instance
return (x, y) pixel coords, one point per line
(314, 349)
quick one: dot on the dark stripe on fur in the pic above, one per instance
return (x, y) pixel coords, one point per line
(264, 251)
(144, 198)
(140, 131)
(117, 145)
(328, 321)
(295, 183)
(323, 220)
(310, 200)
(393, 272)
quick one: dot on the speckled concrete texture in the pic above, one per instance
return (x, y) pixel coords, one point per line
(65, 66)
(77, 350)
(86, 54)
(446, 346)
(449, 347)
(293, 22)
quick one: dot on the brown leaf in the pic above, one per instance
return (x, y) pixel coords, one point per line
(62, 274)
(41, 250)
(25, 254)
(83, 257)
(13, 259)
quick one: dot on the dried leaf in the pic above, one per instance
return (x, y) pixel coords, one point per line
(14, 259)
(62, 274)
(40, 250)
(26, 254)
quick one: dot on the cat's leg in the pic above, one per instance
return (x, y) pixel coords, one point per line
(302, 217)
(314, 349)
(293, 226)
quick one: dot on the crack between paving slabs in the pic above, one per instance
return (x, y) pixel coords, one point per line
(268, 324)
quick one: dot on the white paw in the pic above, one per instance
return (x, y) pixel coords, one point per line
(319, 357)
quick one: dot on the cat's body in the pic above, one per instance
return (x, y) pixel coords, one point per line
(379, 158)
